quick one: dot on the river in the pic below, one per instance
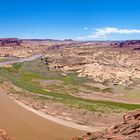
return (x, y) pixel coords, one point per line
(21, 60)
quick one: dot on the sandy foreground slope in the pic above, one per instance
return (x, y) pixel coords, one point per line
(25, 125)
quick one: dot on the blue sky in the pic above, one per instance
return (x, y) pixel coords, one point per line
(76, 19)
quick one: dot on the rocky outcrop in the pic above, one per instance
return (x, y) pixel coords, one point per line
(103, 64)
(129, 129)
(102, 73)
(4, 136)
(9, 41)
(129, 43)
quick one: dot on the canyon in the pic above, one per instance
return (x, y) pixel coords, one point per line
(89, 83)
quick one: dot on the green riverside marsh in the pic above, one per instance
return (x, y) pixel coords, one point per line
(36, 78)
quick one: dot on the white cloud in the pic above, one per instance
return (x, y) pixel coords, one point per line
(104, 32)
(85, 28)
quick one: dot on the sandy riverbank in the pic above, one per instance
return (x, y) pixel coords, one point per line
(61, 121)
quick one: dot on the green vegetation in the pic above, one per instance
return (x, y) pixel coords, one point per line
(15, 67)
(23, 75)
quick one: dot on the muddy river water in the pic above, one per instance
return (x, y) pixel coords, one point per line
(21, 60)
(25, 125)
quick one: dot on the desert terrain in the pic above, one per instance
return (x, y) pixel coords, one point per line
(90, 84)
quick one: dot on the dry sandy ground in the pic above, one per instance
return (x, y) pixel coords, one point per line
(25, 125)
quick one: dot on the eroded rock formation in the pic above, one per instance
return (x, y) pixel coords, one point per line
(103, 64)
(129, 129)
(4, 136)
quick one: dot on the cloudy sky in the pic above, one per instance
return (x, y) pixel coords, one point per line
(76, 19)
